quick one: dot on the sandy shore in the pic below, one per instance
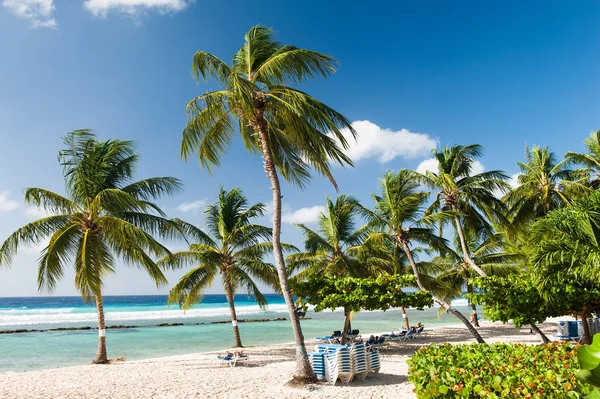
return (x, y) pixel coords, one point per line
(269, 368)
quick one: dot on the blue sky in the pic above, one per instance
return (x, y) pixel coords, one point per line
(412, 74)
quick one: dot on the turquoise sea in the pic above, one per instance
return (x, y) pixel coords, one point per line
(42, 350)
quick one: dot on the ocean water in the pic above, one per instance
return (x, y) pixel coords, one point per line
(43, 350)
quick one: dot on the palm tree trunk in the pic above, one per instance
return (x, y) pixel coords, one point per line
(473, 307)
(439, 301)
(405, 317)
(237, 341)
(101, 356)
(347, 326)
(539, 332)
(463, 245)
(474, 313)
(587, 337)
(304, 372)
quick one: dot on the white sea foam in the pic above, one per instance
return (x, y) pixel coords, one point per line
(60, 316)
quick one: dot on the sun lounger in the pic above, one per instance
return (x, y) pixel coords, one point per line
(420, 332)
(373, 362)
(567, 331)
(358, 354)
(232, 359)
(338, 363)
(317, 361)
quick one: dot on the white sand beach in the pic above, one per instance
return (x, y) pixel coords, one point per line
(269, 368)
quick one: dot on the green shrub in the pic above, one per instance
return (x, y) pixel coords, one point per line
(496, 371)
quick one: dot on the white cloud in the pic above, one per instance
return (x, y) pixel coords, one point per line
(431, 164)
(6, 204)
(37, 213)
(191, 207)
(36, 248)
(303, 215)
(384, 144)
(514, 180)
(38, 12)
(132, 7)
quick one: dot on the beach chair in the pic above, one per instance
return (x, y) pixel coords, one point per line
(373, 363)
(354, 335)
(331, 339)
(420, 332)
(326, 339)
(232, 359)
(358, 354)
(410, 334)
(317, 361)
(395, 337)
(567, 331)
(338, 364)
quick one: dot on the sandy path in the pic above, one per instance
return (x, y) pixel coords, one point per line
(201, 376)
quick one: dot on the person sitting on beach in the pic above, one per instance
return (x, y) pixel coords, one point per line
(372, 339)
(226, 356)
(417, 326)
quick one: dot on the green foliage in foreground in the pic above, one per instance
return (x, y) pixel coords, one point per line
(356, 294)
(496, 371)
(589, 361)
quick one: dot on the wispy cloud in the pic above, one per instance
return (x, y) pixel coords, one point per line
(384, 144)
(431, 164)
(303, 215)
(6, 204)
(37, 213)
(191, 207)
(37, 12)
(132, 7)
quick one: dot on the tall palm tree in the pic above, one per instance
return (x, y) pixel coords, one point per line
(234, 247)
(399, 212)
(289, 128)
(335, 249)
(472, 197)
(105, 216)
(590, 161)
(542, 186)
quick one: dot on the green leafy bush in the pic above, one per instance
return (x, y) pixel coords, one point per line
(496, 371)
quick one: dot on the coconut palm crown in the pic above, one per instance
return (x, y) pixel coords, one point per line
(105, 216)
(542, 186)
(472, 197)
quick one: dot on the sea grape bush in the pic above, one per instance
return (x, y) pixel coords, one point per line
(496, 371)
(356, 294)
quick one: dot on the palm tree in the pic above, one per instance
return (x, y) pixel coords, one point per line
(485, 251)
(289, 128)
(470, 196)
(541, 187)
(235, 248)
(105, 216)
(590, 161)
(335, 249)
(399, 212)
